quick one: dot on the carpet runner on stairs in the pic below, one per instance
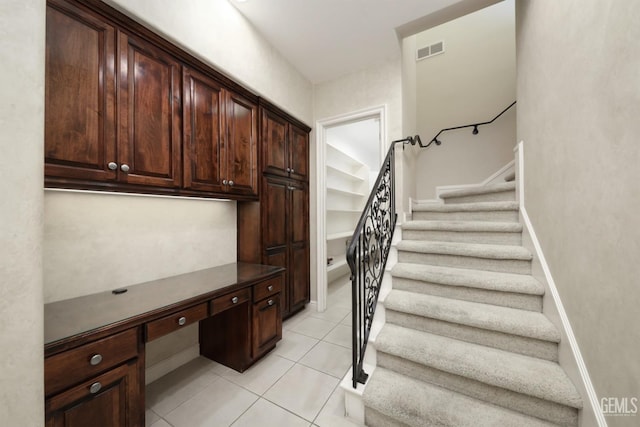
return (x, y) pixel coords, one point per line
(465, 342)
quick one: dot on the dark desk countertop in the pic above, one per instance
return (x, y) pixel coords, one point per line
(64, 320)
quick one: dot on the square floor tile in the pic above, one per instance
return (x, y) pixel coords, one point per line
(314, 328)
(341, 335)
(302, 391)
(161, 423)
(168, 392)
(294, 345)
(265, 414)
(332, 314)
(339, 299)
(329, 358)
(333, 413)
(150, 417)
(260, 376)
(348, 320)
(295, 319)
(218, 404)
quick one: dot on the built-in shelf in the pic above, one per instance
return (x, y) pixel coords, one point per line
(347, 192)
(339, 261)
(336, 236)
(344, 211)
(346, 174)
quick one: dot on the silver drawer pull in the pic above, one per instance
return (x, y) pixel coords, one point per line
(270, 288)
(112, 166)
(95, 387)
(270, 302)
(182, 321)
(234, 300)
(95, 359)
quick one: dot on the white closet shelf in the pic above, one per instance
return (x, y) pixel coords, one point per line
(345, 155)
(342, 235)
(347, 192)
(347, 174)
(338, 262)
(349, 211)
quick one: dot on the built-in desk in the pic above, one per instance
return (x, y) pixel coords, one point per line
(94, 345)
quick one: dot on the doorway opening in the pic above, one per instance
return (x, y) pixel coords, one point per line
(349, 151)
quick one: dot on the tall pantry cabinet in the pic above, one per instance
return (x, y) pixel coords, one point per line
(275, 230)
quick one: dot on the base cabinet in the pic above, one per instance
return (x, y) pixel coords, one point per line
(108, 400)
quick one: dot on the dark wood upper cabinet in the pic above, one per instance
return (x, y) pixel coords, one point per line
(285, 147)
(149, 137)
(203, 130)
(80, 94)
(128, 111)
(241, 145)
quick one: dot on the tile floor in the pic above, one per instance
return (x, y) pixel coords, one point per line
(296, 384)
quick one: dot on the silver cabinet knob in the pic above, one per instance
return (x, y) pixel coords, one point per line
(230, 183)
(182, 321)
(270, 302)
(124, 168)
(112, 166)
(225, 182)
(270, 288)
(292, 171)
(95, 359)
(95, 387)
(289, 170)
(234, 300)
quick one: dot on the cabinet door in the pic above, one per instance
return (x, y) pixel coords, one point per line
(275, 155)
(298, 267)
(299, 153)
(241, 145)
(274, 214)
(203, 114)
(109, 400)
(79, 131)
(150, 129)
(267, 325)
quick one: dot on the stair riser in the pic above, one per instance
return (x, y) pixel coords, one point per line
(486, 237)
(493, 216)
(503, 341)
(504, 299)
(489, 264)
(533, 406)
(502, 196)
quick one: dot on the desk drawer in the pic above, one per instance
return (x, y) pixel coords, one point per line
(175, 321)
(72, 366)
(267, 288)
(230, 300)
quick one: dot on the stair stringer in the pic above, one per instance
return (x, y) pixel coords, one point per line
(354, 405)
(569, 355)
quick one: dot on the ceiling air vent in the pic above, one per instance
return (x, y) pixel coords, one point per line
(431, 50)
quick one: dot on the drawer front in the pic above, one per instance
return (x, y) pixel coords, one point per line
(72, 366)
(175, 321)
(229, 300)
(267, 288)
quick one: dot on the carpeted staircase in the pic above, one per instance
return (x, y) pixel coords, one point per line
(465, 342)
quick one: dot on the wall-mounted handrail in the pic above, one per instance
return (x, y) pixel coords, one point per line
(367, 256)
(473, 125)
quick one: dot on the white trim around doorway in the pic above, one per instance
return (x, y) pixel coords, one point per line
(379, 112)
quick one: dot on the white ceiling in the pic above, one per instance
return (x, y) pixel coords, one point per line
(325, 39)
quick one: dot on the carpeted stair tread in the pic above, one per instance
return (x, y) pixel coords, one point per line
(485, 189)
(466, 207)
(488, 280)
(491, 317)
(462, 226)
(502, 252)
(418, 404)
(521, 374)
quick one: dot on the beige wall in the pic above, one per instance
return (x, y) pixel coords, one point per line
(578, 109)
(471, 82)
(21, 130)
(96, 242)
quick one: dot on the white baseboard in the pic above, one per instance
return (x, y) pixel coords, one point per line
(566, 325)
(496, 176)
(172, 363)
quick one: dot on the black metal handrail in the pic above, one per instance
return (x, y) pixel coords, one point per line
(473, 125)
(367, 255)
